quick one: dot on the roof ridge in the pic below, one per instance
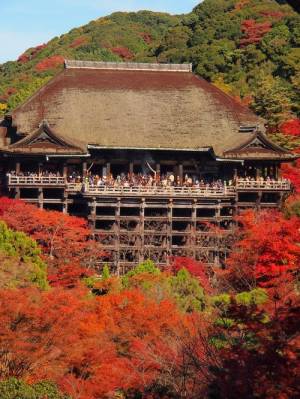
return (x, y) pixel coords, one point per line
(126, 66)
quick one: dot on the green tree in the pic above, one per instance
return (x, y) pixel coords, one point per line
(20, 260)
(272, 100)
(14, 388)
(187, 292)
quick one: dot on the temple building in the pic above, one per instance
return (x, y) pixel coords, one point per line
(156, 158)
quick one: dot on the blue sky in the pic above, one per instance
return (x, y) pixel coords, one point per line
(26, 23)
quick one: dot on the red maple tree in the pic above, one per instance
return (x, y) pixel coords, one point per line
(254, 31)
(65, 240)
(267, 253)
(291, 127)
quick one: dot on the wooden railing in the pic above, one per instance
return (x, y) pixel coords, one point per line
(163, 191)
(36, 181)
(207, 191)
(253, 185)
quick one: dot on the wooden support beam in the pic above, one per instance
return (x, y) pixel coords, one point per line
(142, 230)
(41, 198)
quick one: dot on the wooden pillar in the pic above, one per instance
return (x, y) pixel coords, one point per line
(194, 228)
(259, 171)
(181, 173)
(17, 193)
(276, 171)
(158, 171)
(93, 209)
(169, 238)
(142, 231)
(84, 169)
(235, 174)
(65, 171)
(117, 238)
(41, 198)
(108, 169)
(131, 168)
(65, 207)
(258, 201)
(18, 168)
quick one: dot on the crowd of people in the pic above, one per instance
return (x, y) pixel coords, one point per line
(150, 180)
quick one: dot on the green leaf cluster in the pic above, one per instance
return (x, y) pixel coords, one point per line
(21, 262)
(14, 388)
(183, 288)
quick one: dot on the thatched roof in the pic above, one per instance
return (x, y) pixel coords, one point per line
(131, 106)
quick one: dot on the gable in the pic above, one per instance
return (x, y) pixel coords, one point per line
(258, 147)
(45, 140)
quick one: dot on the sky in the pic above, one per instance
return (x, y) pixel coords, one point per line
(27, 23)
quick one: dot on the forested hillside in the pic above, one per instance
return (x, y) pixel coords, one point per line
(248, 48)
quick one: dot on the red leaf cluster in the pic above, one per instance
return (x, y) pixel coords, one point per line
(49, 63)
(291, 127)
(273, 15)
(123, 52)
(29, 55)
(78, 42)
(292, 172)
(65, 240)
(146, 37)
(241, 4)
(254, 31)
(8, 92)
(268, 251)
(92, 347)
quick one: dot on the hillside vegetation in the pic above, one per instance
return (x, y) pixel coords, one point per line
(248, 48)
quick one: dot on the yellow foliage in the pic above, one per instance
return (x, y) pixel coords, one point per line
(3, 107)
(220, 84)
(104, 21)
